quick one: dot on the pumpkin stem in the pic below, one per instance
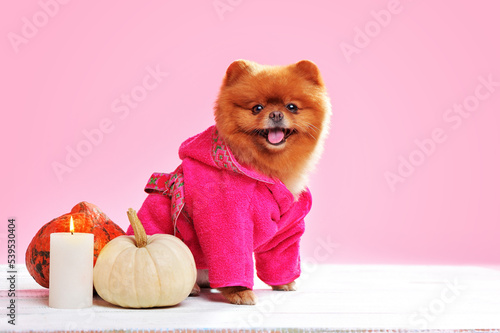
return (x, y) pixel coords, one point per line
(141, 238)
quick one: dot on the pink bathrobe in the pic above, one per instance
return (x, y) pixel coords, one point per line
(224, 212)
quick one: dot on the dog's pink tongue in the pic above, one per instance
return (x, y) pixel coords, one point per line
(275, 135)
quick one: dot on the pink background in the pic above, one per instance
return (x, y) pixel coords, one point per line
(68, 76)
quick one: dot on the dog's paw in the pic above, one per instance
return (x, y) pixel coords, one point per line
(196, 290)
(285, 287)
(239, 295)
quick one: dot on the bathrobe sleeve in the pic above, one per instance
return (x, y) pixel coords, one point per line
(278, 259)
(218, 200)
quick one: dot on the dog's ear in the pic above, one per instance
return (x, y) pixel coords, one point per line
(308, 70)
(236, 70)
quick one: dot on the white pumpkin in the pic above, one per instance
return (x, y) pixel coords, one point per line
(144, 271)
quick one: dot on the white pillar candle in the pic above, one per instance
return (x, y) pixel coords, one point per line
(71, 270)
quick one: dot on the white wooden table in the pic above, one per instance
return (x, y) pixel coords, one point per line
(333, 298)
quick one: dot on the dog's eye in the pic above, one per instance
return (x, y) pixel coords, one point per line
(292, 107)
(257, 108)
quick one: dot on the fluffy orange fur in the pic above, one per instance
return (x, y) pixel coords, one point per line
(247, 84)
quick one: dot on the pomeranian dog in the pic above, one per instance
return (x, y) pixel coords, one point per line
(241, 189)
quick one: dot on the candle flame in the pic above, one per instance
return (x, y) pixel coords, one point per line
(71, 225)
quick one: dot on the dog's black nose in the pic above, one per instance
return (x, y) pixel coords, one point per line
(276, 116)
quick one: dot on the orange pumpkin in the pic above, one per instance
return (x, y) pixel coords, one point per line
(87, 218)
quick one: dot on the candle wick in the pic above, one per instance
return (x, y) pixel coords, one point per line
(72, 232)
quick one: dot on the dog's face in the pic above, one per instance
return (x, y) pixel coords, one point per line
(272, 109)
